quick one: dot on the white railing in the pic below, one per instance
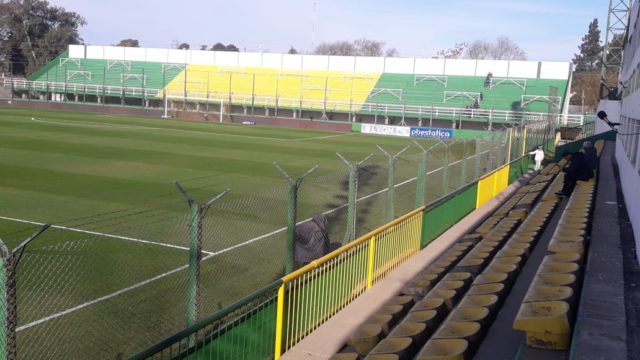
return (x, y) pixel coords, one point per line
(424, 112)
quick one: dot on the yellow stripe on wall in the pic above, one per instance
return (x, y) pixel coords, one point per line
(344, 91)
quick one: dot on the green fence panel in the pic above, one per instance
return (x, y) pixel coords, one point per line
(577, 145)
(253, 337)
(446, 214)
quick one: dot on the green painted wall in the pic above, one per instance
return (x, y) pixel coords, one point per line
(446, 214)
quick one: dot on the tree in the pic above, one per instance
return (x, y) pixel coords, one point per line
(183, 46)
(232, 47)
(203, 47)
(344, 48)
(453, 53)
(502, 49)
(32, 32)
(129, 43)
(219, 47)
(590, 50)
(359, 47)
(393, 52)
(365, 47)
(292, 50)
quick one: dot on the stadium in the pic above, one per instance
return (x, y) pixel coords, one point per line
(152, 200)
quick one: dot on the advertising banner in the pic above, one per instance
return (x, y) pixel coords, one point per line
(402, 131)
(405, 131)
(429, 133)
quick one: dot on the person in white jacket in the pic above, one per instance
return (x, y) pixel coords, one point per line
(538, 156)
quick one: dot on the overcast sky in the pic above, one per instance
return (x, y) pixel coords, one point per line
(545, 29)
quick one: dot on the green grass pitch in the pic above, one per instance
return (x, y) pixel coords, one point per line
(95, 295)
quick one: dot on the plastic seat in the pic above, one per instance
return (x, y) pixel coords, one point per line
(467, 330)
(487, 289)
(444, 349)
(557, 267)
(436, 304)
(549, 293)
(472, 266)
(465, 277)
(345, 356)
(400, 346)
(575, 247)
(384, 321)
(365, 338)
(427, 317)
(546, 324)
(490, 278)
(475, 313)
(554, 280)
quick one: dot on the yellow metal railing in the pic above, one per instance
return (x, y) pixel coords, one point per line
(314, 293)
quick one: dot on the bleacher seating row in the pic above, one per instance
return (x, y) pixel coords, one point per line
(347, 91)
(446, 310)
(549, 307)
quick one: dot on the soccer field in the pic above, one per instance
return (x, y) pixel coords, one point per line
(111, 277)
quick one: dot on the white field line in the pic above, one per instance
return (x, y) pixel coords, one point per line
(323, 137)
(138, 127)
(209, 255)
(103, 298)
(158, 277)
(89, 232)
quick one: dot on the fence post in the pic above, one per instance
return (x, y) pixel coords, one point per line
(294, 185)
(10, 261)
(279, 321)
(390, 181)
(354, 172)
(370, 261)
(198, 211)
(463, 172)
(445, 167)
(421, 181)
(479, 152)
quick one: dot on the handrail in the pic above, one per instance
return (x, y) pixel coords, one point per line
(364, 238)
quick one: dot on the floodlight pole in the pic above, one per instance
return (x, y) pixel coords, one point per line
(294, 185)
(10, 260)
(354, 174)
(390, 182)
(421, 181)
(197, 214)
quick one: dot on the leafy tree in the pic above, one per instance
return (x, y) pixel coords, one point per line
(203, 47)
(32, 32)
(129, 43)
(590, 50)
(184, 46)
(292, 50)
(393, 52)
(219, 47)
(232, 47)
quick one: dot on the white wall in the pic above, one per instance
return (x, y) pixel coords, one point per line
(362, 64)
(630, 181)
(612, 108)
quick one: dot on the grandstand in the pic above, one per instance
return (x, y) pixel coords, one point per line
(322, 87)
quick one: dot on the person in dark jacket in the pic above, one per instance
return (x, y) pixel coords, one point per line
(311, 240)
(578, 169)
(590, 154)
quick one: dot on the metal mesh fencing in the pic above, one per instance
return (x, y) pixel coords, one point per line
(107, 283)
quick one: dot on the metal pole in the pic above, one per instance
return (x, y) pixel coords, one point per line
(421, 182)
(390, 181)
(445, 169)
(354, 172)
(294, 185)
(463, 172)
(197, 214)
(10, 260)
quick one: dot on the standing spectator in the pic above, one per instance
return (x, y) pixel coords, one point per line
(578, 169)
(538, 156)
(311, 240)
(590, 154)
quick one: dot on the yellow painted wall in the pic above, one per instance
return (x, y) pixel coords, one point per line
(492, 184)
(295, 89)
